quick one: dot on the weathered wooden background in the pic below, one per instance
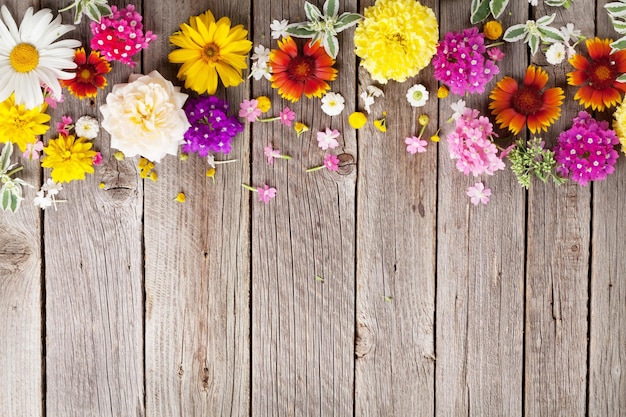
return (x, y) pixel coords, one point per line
(126, 303)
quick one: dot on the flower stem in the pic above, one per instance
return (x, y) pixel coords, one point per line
(14, 171)
(69, 7)
(226, 161)
(317, 168)
(494, 45)
(271, 119)
(247, 187)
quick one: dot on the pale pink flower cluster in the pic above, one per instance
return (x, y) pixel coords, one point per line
(470, 144)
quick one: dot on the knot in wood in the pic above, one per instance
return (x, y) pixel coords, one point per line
(346, 164)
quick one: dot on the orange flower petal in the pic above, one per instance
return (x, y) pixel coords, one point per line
(598, 48)
(535, 77)
(576, 77)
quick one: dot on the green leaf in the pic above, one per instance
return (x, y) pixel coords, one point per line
(16, 199)
(497, 7)
(619, 25)
(481, 12)
(550, 34)
(299, 30)
(331, 8)
(619, 44)
(534, 42)
(546, 20)
(515, 33)
(621, 78)
(5, 201)
(475, 5)
(5, 157)
(347, 20)
(312, 12)
(78, 16)
(331, 45)
(615, 9)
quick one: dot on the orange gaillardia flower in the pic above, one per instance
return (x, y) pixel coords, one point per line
(598, 75)
(295, 73)
(515, 106)
(89, 74)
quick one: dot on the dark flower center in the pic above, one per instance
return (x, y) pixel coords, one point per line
(211, 53)
(527, 101)
(601, 74)
(301, 68)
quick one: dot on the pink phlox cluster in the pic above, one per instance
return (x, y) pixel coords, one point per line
(460, 62)
(586, 152)
(470, 144)
(120, 36)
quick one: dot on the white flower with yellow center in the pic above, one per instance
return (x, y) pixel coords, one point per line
(145, 116)
(333, 103)
(31, 56)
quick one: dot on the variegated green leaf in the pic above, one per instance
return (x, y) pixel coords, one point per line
(615, 9)
(331, 8)
(5, 157)
(475, 5)
(5, 197)
(312, 12)
(619, 25)
(534, 42)
(546, 20)
(299, 30)
(550, 34)
(619, 44)
(78, 16)
(497, 7)
(621, 78)
(346, 20)
(515, 33)
(331, 45)
(481, 12)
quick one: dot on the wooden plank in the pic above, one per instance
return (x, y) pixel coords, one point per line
(197, 259)
(21, 392)
(607, 384)
(558, 266)
(396, 229)
(480, 265)
(94, 269)
(302, 328)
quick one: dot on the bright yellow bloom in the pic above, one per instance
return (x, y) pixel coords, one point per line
(435, 138)
(300, 128)
(357, 120)
(619, 124)
(209, 49)
(210, 172)
(492, 30)
(21, 125)
(423, 120)
(69, 158)
(397, 39)
(263, 103)
(180, 197)
(381, 124)
(442, 92)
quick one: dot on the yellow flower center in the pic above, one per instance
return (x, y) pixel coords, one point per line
(211, 53)
(24, 57)
(85, 74)
(603, 73)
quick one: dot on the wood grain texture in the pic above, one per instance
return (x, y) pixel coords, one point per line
(557, 266)
(302, 328)
(607, 344)
(480, 265)
(396, 235)
(197, 258)
(94, 276)
(21, 353)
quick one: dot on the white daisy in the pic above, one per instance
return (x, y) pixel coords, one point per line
(332, 104)
(87, 127)
(555, 53)
(417, 95)
(30, 56)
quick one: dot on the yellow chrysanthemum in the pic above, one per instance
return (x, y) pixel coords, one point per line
(619, 124)
(21, 125)
(209, 49)
(69, 158)
(397, 39)
(492, 30)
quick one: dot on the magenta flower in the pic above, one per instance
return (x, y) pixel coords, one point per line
(266, 193)
(271, 154)
(97, 159)
(415, 145)
(328, 139)
(478, 194)
(331, 162)
(586, 152)
(495, 54)
(287, 116)
(64, 125)
(249, 109)
(32, 150)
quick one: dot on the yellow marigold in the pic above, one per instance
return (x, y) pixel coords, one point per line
(21, 125)
(442, 92)
(397, 39)
(264, 103)
(619, 124)
(69, 158)
(492, 30)
(357, 120)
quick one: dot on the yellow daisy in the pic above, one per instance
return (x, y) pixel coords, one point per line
(21, 125)
(69, 158)
(209, 49)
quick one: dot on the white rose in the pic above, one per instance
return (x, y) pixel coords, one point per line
(145, 116)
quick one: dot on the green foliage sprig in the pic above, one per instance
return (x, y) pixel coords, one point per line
(532, 159)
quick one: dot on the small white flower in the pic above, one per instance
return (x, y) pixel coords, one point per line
(417, 95)
(555, 53)
(53, 188)
(259, 70)
(261, 54)
(374, 91)
(278, 28)
(87, 127)
(43, 201)
(459, 108)
(332, 104)
(367, 100)
(569, 33)
(211, 160)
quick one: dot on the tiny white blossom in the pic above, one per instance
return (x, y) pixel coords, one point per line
(278, 28)
(417, 95)
(374, 91)
(261, 54)
(87, 127)
(259, 70)
(369, 95)
(43, 201)
(555, 53)
(332, 103)
(569, 33)
(52, 187)
(459, 108)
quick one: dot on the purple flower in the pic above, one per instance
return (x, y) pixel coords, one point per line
(460, 62)
(586, 152)
(212, 129)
